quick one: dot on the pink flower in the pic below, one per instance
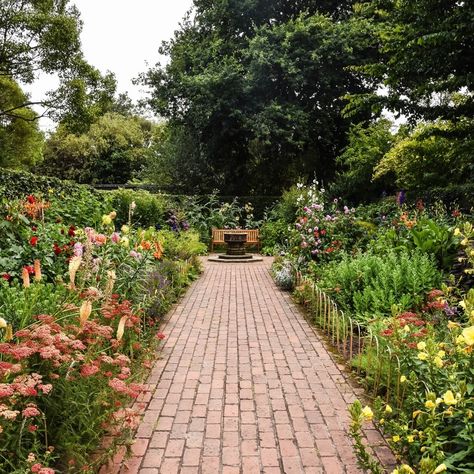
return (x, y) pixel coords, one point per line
(49, 352)
(6, 390)
(36, 467)
(160, 336)
(115, 237)
(30, 411)
(78, 249)
(46, 470)
(46, 388)
(87, 370)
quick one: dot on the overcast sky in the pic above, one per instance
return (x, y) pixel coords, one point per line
(122, 36)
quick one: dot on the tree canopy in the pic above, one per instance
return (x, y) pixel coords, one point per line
(257, 86)
(113, 150)
(426, 56)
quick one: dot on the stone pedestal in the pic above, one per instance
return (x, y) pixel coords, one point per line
(235, 243)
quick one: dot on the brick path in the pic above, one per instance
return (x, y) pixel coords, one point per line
(243, 385)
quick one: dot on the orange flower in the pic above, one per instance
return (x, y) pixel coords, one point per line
(159, 250)
(37, 270)
(26, 277)
(145, 245)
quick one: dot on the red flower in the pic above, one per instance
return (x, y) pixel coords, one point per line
(160, 336)
(34, 228)
(456, 213)
(31, 199)
(7, 276)
(30, 269)
(433, 294)
(56, 248)
(72, 231)
(33, 241)
(387, 332)
(323, 232)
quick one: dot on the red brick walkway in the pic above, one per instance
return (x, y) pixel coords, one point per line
(243, 385)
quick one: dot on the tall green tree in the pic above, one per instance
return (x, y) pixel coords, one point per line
(426, 57)
(21, 142)
(368, 144)
(257, 86)
(37, 35)
(112, 151)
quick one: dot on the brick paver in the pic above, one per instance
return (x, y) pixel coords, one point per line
(243, 385)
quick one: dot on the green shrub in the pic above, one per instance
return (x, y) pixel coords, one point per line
(273, 235)
(369, 286)
(149, 209)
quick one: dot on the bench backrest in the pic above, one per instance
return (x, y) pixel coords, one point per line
(218, 234)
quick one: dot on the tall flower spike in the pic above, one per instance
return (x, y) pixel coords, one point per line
(85, 311)
(110, 283)
(121, 327)
(37, 270)
(26, 278)
(74, 265)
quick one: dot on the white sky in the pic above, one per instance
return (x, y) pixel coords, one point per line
(122, 36)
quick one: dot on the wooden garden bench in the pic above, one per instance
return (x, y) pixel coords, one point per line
(253, 237)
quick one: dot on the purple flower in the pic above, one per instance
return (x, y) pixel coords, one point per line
(135, 254)
(78, 249)
(401, 197)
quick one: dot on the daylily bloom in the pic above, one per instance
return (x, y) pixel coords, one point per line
(468, 334)
(449, 399)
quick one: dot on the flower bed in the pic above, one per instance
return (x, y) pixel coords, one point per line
(397, 301)
(79, 315)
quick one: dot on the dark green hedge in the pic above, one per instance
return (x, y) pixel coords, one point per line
(459, 195)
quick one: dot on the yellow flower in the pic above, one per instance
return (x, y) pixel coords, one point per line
(465, 242)
(422, 355)
(403, 379)
(406, 328)
(106, 220)
(367, 413)
(396, 438)
(125, 242)
(438, 362)
(410, 438)
(440, 468)
(3, 323)
(8, 335)
(416, 413)
(441, 354)
(395, 471)
(462, 304)
(449, 399)
(382, 421)
(430, 404)
(460, 339)
(421, 346)
(125, 229)
(468, 334)
(113, 215)
(457, 231)
(388, 409)
(406, 469)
